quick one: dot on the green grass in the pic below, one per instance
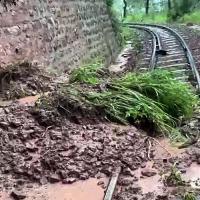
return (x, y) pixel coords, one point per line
(193, 17)
(189, 196)
(153, 98)
(159, 18)
(174, 178)
(88, 73)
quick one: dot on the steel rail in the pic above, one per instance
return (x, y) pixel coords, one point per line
(187, 51)
(155, 40)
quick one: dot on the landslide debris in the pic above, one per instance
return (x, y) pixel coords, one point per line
(23, 79)
(64, 153)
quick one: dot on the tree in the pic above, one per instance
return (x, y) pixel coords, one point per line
(147, 7)
(169, 5)
(125, 8)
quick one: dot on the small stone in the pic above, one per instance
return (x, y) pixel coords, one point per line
(53, 178)
(135, 189)
(69, 180)
(17, 196)
(148, 172)
(100, 183)
(162, 197)
(4, 124)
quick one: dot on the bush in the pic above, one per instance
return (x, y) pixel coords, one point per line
(153, 98)
(88, 73)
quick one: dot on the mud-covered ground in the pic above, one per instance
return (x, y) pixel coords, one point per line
(31, 153)
(23, 79)
(46, 155)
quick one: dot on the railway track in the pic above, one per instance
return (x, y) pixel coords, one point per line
(169, 52)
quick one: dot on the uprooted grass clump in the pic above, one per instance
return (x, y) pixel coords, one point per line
(154, 99)
(174, 178)
(89, 73)
(189, 196)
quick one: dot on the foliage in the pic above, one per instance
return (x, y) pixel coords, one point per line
(159, 18)
(160, 86)
(153, 98)
(193, 17)
(128, 34)
(87, 73)
(109, 3)
(114, 21)
(174, 178)
(189, 196)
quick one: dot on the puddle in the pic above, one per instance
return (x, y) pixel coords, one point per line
(193, 175)
(150, 184)
(81, 190)
(165, 149)
(30, 100)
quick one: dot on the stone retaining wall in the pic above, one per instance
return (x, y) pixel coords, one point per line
(56, 33)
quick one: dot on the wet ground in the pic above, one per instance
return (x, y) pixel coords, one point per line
(46, 156)
(82, 190)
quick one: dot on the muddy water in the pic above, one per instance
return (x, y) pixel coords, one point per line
(82, 190)
(166, 149)
(149, 184)
(193, 175)
(30, 100)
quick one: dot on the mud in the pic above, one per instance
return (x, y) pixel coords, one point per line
(23, 79)
(31, 153)
(82, 190)
(125, 61)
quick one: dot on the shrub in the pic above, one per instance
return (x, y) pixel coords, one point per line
(88, 73)
(153, 98)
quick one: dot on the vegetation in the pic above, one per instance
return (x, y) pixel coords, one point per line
(161, 11)
(153, 99)
(193, 17)
(189, 196)
(88, 73)
(159, 18)
(174, 178)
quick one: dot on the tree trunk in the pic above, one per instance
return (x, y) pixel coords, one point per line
(169, 5)
(125, 8)
(147, 7)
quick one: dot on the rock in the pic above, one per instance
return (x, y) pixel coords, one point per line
(189, 24)
(14, 30)
(31, 147)
(135, 189)
(127, 172)
(17, 195)
(4, 124)
(100, 183)
(148, 172)
(69, 180)
(53, 178)
(162, 197)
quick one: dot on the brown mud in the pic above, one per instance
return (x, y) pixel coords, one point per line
(82, 190)
(32, 153)
(23, 79)
(49, 156)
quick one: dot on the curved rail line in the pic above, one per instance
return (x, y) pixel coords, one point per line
(175, 47)
(166, 44)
